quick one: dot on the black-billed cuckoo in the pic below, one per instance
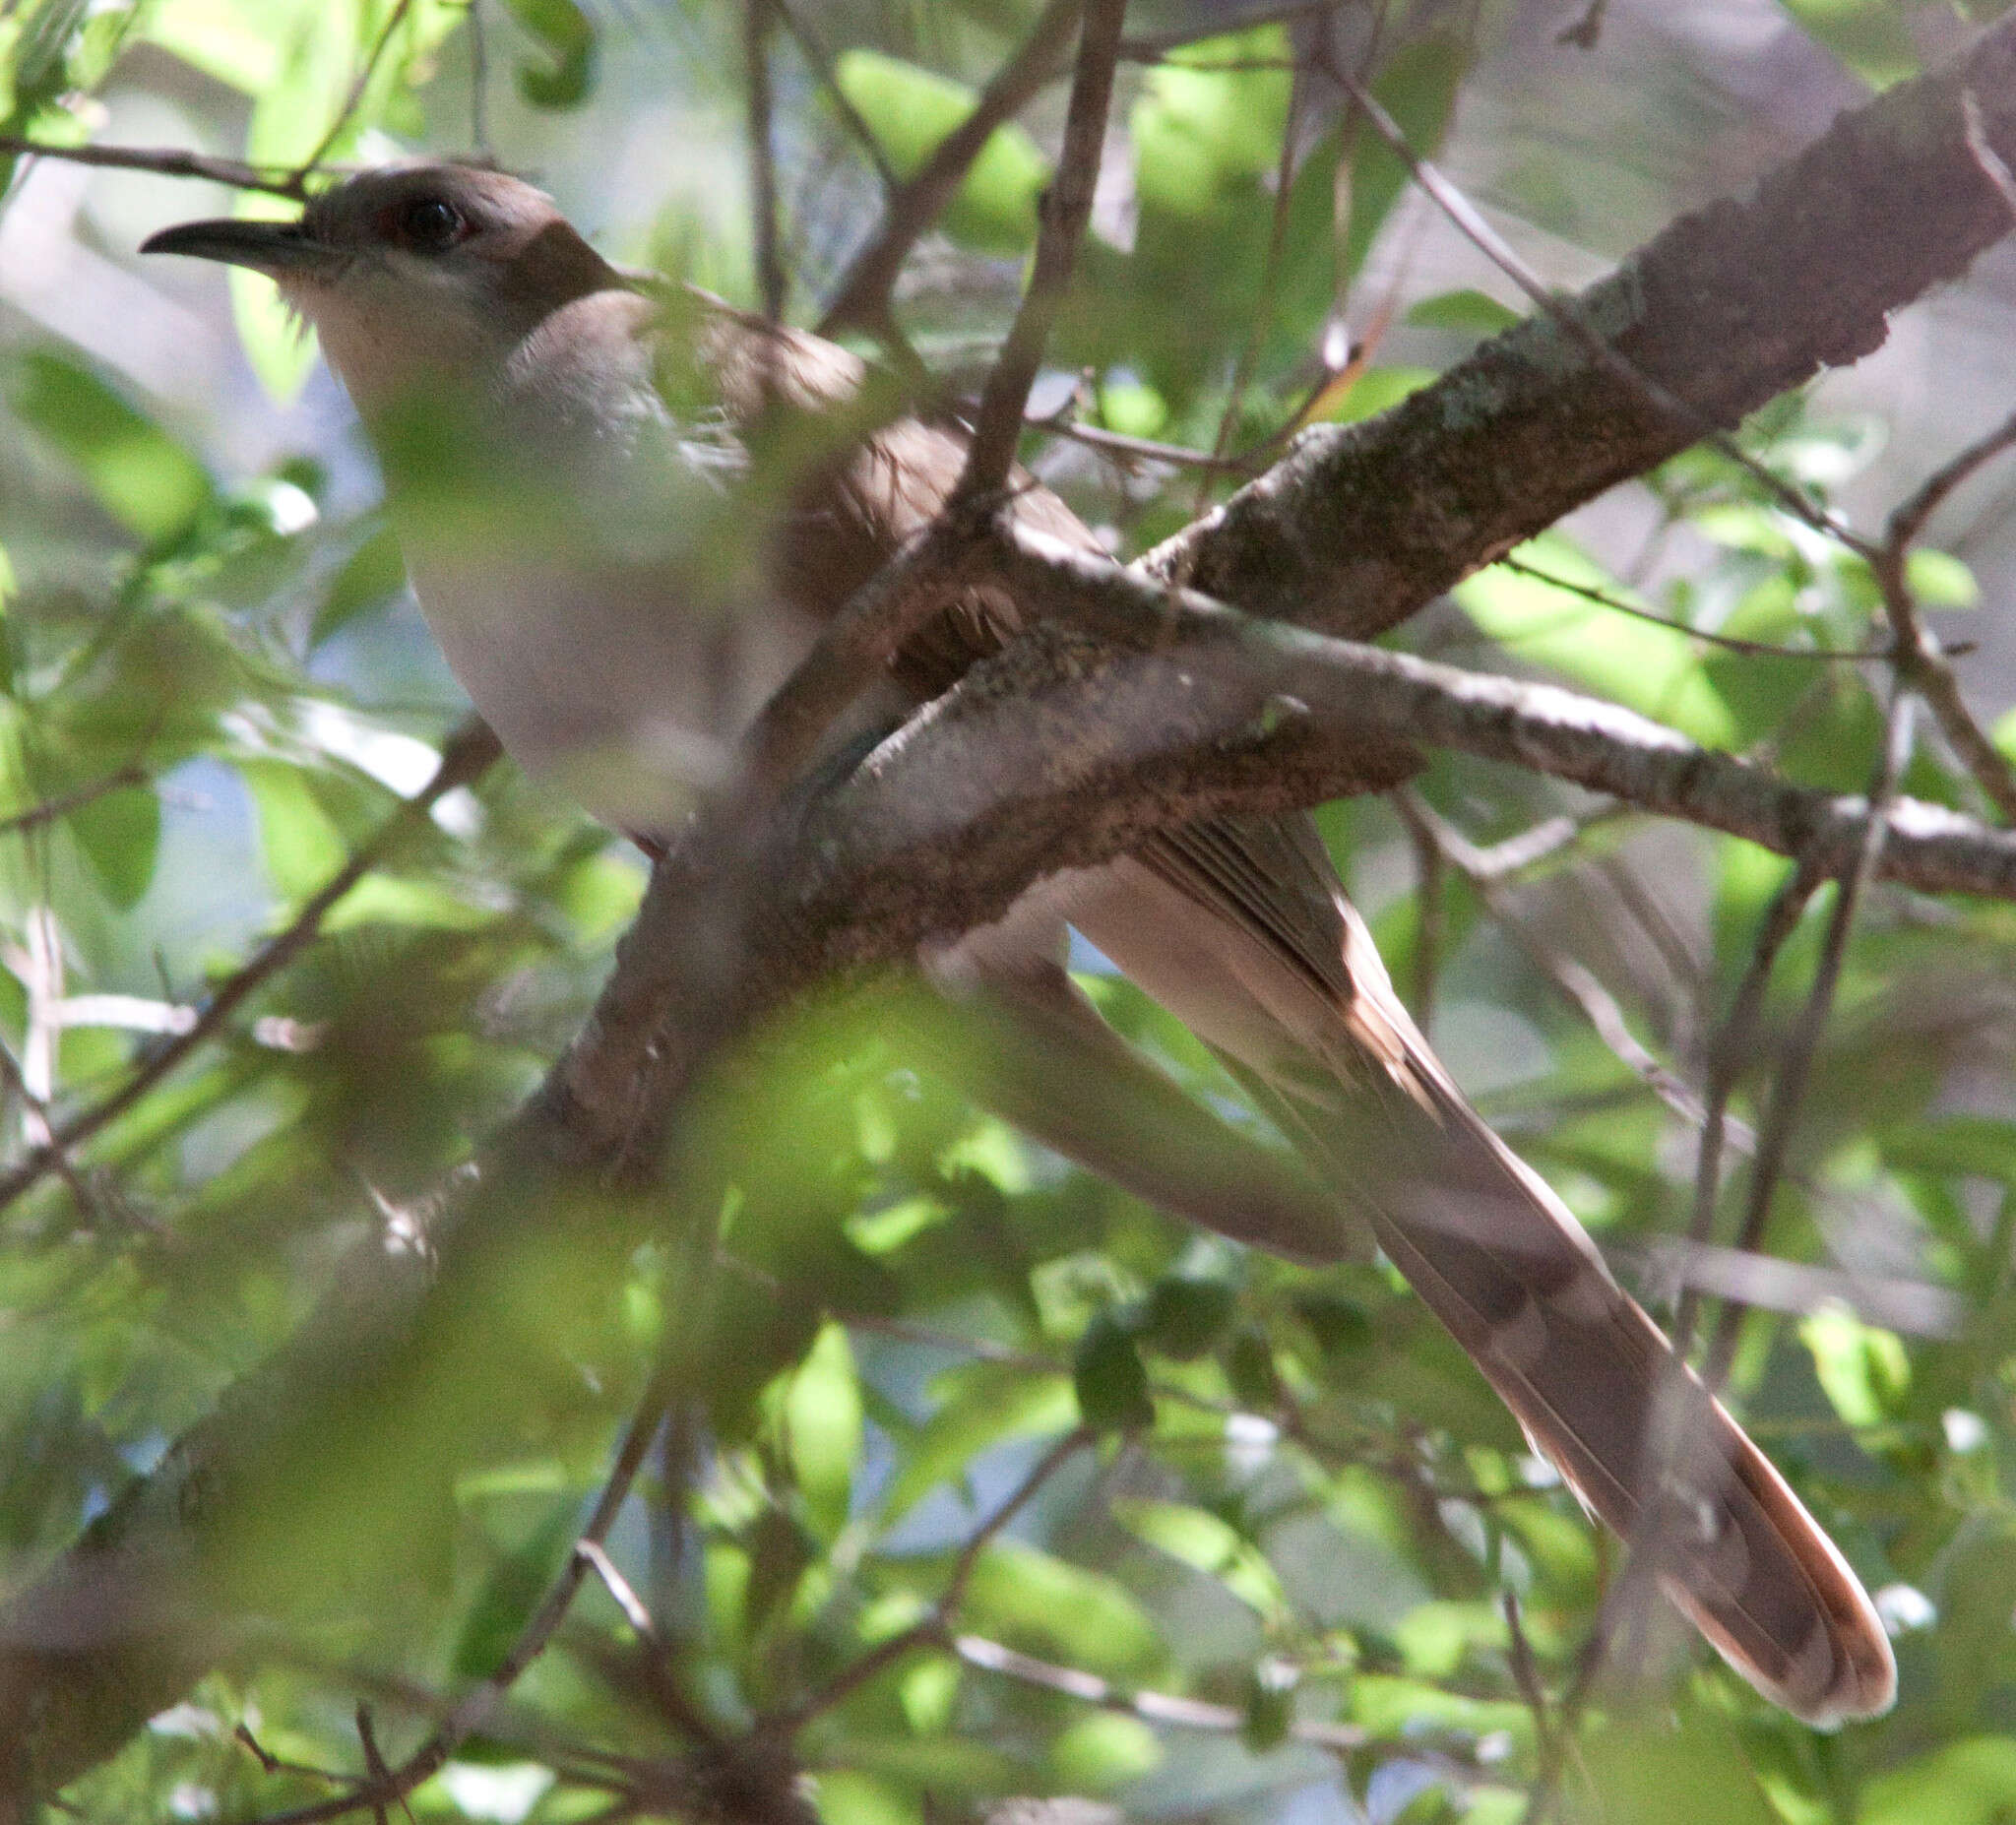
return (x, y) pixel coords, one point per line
(619, 582)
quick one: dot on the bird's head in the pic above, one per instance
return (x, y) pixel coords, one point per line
(413, 273)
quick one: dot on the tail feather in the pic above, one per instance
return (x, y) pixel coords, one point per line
(1239, 927)
(1596, 1386)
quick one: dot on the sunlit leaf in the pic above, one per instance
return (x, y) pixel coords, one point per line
(1048, 1605)
(910, 110)
(1201, 1540)
(141, 475)
(1867, 36)
(1642, 666)
(568, 38)
(821, 1421)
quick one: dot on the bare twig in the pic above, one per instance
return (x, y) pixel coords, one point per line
(1065, 209)
(356, 99)
(1917, 652)
(1143, 449)
(1756, 649)
(659, 1676)
(1150, 1707)
(1569, 976)
(465, 757)
(861, 299)
(471, 1712)
(935, 1627)
(1787, 1090)
(1574, 324)
(1431, 915)
(1270, 275)
(814, 51)
(479, 81)
(770, 273)
(1992, 166)
(1584, 32)
(164, 162)
(64, 803)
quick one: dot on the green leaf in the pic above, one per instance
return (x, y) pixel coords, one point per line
(1370, 391)
(985, 1405)
(1644, 667)
(1655, 1776)
(1203, 1542)
(370, 576)
(510, 1593)
(1198, 132)
(120, 835)
(910, 110)
(1062, 1611)
(821, 1419)
(1109, 1378)
(847, 1797)
(1941, 580)
(1103, 1751)
(1270, 1705)
(1185, 1315)
(1863, 1368)
(1468, 309)
(1972, 1782)
(143, 477)
(1867, 36)
(564, 33)
(302, 846)
(233, 41)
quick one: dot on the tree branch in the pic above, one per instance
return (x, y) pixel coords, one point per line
(1727, 308)
(1087, 750)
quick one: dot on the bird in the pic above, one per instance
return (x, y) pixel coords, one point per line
(627, 508)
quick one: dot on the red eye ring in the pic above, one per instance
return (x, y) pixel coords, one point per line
(424, 223)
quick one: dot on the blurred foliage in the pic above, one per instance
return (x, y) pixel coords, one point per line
(1291, 1498)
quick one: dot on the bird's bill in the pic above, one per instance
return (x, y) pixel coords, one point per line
(270, 247)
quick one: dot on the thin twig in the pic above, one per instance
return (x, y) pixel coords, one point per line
(770, 273)
(1431, 915)
(1781, 1115)
(813, 49)
(1991, 162)
(1917, 652)
(356, 99)
(1756, 649)
(37, 1129)
(1146, 448)
(1570, 977)
(468, 754)
(653, 1649)
(1150, 1707)
(473, 1710)
(164, 162)
(1270, 275)
(1065, 209)
(479, 81)
(861, 298)
(935, 1627)
(1584, 32)
(75, 800)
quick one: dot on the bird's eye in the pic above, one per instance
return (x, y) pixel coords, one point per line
(428, 224)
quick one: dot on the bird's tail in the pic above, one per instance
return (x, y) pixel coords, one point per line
(1598, 1390)
(1239, 927)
